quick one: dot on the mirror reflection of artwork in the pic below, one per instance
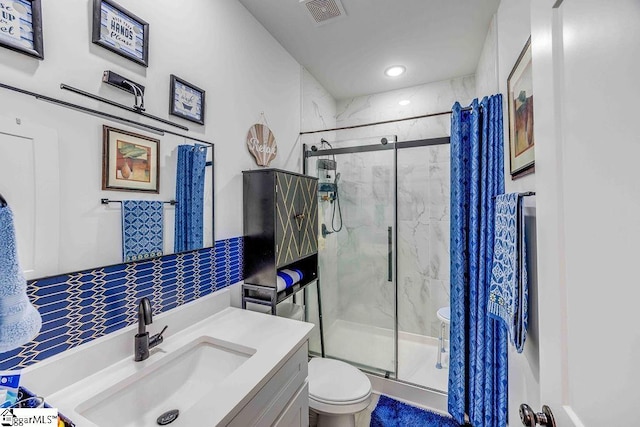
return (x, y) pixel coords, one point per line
(133, 162)
(521, 138)
(187, 100)
(130, 161)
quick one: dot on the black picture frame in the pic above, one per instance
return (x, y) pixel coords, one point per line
(142, 166)
(124, 39)
(520, 98)
(181, 90)
(25, 37)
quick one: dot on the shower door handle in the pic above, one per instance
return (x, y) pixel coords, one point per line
(390, 254)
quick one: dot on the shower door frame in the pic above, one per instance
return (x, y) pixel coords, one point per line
(389, 145)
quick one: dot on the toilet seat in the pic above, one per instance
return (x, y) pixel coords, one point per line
(336, 383)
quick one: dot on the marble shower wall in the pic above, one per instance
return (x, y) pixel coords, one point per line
(423, 237)
(318, 106)
(425, 99)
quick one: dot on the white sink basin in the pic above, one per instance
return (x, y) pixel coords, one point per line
(176, 381)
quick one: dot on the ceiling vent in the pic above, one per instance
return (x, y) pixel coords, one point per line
(324, 11)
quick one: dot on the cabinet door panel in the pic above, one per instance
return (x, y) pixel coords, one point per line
(287, 231)
(308, 199)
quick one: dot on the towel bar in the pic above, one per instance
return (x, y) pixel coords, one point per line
(526, 193)
(107, 201)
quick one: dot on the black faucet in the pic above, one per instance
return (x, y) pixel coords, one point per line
(143, 343)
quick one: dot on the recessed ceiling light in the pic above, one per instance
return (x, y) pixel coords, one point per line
(404, 102)
(395, 71)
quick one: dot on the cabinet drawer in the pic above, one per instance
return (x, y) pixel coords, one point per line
(270, 401)
(297, 413)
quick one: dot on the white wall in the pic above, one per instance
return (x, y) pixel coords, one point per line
(508, 33)
(216, 45)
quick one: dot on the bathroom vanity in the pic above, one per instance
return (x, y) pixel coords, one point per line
(217, 366)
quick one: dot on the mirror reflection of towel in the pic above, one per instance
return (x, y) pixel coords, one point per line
(142, 234)
(20, 322)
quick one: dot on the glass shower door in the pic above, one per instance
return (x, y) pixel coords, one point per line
(423, 263)
(357, 261)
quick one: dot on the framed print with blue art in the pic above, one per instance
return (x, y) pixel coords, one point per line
(186, 101)
(117, 29)
(21, 26)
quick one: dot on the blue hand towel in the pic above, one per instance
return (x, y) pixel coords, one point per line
(287, 278)
(142, 235)
(20, 322)
(509, 291)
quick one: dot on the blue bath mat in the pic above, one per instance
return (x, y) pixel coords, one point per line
(391, 413)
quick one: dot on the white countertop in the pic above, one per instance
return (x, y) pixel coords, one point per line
(71, 378)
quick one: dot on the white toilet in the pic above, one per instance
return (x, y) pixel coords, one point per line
(337, 391)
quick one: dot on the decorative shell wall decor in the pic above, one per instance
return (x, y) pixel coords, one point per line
(262, 144)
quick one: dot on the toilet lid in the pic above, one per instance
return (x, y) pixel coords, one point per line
(335, 382)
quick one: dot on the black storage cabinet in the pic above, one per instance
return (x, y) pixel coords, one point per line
(280, 221)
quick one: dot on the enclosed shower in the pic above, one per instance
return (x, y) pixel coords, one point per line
(383, 254)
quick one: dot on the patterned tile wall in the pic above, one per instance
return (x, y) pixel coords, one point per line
(79, 307)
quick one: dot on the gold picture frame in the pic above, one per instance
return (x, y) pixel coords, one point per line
(520, 100)
(130, 162)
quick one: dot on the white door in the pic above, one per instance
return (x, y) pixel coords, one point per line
(586, 59)
(29, 181)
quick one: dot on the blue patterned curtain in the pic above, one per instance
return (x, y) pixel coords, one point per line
(478, 364)
(190, 197)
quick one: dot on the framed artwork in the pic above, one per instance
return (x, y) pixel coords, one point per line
(130, 162)
(117, 29)
(186, 100)
(520, 99)
(21, 26)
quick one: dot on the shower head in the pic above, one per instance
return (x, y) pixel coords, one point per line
(337, 178)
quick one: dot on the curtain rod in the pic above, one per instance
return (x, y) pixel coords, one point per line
(384, 122)
(99, 113)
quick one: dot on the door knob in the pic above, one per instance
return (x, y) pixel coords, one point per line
(530, 418)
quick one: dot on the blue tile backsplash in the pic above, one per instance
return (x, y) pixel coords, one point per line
(80, 307)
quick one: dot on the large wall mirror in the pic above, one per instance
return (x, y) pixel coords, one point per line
(51, 161)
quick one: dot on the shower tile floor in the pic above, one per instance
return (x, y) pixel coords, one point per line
(370, 346)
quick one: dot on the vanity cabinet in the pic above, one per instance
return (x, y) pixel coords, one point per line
(280, 221)
(284, 400)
